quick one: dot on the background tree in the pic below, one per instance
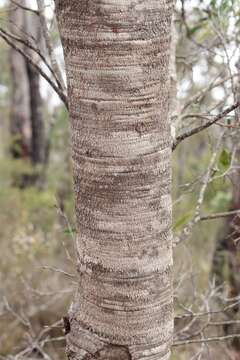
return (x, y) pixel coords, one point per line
(27, 126)
(38, 139)
(20, 126)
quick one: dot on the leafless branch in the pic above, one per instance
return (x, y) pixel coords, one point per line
(197, 214)
(29, 45)
(196, 97)
(59, 271)
(192, 314)
(60, 93)
(219, 215)
(48, 42)
(207, 340)
(200, 128)
(24, 7)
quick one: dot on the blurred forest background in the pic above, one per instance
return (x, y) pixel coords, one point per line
(37, 267)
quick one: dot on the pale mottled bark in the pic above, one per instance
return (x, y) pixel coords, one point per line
(174, 104)
(117, 62)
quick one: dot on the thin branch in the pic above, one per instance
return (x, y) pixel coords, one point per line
(203, 92)
(48, 42)
(24, 7)
(222, 323)
(197, 214)
(191, 314)
(219, 215)
(60, 93)
(28, 44)
(207, 340)
(58, 271)
(200, 128)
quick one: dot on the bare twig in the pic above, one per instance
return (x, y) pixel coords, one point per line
(219, 215)
(200, 128)
(207, 313)
(60, 93)
(24, 7)
(59, 271)
(48, 42)
(207, 340)
(196, 97)
(197, 214)
(29, 45)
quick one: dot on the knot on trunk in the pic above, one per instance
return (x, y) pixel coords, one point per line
(84, 344)
(110, 352)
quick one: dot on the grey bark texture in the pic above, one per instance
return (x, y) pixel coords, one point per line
(117, 63)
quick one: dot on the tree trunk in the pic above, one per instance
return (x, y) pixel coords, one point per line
(26, 120)
(20, 129)
(38, 143)
(117, 63)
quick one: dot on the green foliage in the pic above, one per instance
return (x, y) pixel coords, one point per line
(224, 160)
(69, 231)
(32, 234)
(195, 29)
(220, 201)
(182, 220)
